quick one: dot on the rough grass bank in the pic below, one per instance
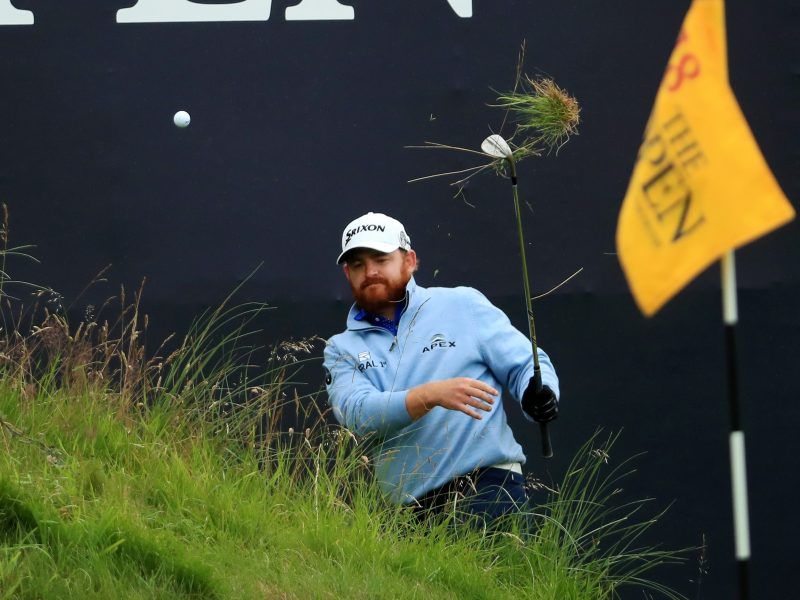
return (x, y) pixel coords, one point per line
(169, 477)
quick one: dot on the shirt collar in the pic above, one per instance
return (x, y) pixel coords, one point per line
(380, 320)
(359, 318)
(414, 296)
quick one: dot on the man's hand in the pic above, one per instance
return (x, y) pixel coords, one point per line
(539, 401)
(460, 393)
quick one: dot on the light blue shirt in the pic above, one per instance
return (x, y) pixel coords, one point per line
(443, 333)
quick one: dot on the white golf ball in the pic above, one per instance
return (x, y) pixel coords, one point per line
(182, 119)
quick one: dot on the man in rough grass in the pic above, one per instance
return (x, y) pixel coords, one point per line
(420, 370)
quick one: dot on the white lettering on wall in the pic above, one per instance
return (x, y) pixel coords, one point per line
(463, 8)
(320, 10)
(14, 16)
(179, 11)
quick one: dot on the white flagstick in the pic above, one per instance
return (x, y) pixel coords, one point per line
(741, 521)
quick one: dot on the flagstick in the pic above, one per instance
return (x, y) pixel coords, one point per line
(741, 524)
(547, 447)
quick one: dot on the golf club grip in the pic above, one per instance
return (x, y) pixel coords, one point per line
(547, 447)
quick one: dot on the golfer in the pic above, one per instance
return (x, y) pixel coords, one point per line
(421, 370)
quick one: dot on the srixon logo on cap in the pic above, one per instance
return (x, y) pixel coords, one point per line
(360, 228)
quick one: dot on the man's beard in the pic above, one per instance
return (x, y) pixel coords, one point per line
(375, 298)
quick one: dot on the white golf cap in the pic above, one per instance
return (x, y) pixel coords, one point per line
(377, 231)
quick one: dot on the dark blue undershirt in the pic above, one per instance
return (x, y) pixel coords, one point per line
(389, 325)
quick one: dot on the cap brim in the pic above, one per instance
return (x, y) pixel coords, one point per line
(379, 246)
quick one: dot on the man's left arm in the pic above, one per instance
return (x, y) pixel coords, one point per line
(507, 352)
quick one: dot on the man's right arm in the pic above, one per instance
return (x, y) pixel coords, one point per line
(362, 408)
(356, 403)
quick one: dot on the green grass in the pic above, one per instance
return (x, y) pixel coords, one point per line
(95, 505)
(123, 476)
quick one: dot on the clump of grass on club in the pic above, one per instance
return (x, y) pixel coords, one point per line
(544, 117)
(543, 111)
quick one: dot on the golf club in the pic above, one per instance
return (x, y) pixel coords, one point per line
(496, 146)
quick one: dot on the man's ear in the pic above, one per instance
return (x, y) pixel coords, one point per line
(411, 260)
(346, 270)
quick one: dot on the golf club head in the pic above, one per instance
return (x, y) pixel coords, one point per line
(496, 146)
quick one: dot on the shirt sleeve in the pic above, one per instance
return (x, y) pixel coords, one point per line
(356, 403)
(507, 351)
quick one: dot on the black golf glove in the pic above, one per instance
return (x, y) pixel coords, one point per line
(539, 401)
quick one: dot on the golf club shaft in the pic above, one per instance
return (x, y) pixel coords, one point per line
(547, 448)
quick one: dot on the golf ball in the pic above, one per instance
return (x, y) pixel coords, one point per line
(181, 119)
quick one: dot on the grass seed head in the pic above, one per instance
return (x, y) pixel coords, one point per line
(543, 111)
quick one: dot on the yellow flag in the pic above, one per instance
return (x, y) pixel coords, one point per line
(700, 186)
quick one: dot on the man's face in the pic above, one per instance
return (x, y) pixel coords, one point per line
(378, 280)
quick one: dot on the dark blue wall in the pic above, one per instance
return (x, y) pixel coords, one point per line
(298, 127)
